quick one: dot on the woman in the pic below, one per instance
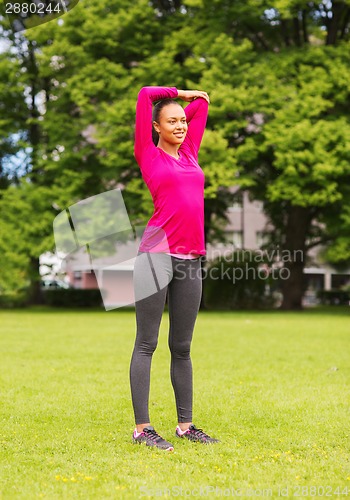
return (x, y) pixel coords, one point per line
(168, 264)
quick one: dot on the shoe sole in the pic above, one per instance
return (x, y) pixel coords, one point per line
(196, 441)
(170, 448)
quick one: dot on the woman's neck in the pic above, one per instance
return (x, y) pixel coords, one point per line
(171, 149)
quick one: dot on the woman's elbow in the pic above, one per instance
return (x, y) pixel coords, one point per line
(143, 91)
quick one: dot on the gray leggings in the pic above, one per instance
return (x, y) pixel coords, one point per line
(157, 276)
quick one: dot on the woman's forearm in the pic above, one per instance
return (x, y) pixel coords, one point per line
(191, 95)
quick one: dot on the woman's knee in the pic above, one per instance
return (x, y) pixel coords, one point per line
(146, 346)
(180, 349)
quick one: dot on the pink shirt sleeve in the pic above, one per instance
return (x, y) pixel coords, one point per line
(196, 115)
(143, 124)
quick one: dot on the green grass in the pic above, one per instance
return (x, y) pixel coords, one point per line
(272, 386)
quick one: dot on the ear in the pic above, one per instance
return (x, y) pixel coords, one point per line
(156, 126)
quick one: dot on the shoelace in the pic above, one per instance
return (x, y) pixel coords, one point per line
(153, 435)
(199, 432)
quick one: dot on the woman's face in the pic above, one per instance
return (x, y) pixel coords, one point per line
(172, 125)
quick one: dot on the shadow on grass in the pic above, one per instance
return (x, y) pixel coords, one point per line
(317, 310)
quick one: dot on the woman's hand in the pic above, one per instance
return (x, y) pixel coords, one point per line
(191, 95)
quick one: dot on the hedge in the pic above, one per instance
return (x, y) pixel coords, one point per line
(334, 297)
(238, 281)
(73, 297)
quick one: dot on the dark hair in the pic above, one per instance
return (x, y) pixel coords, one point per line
(156, 114)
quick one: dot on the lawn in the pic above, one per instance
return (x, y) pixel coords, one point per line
(274, 387)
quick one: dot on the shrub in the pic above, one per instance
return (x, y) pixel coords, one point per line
(238, 281)
(334, 297)
(73, 297)
(16, 299)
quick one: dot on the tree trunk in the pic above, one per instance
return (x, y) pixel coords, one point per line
(345, 24)
(285, 32)
(34, 129)
(338, 10)
(304, 25)
(292, 276)
(296, 27)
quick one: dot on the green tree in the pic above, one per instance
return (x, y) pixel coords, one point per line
(12, 115)
(83, 76)
(277, 76)
(287, 120)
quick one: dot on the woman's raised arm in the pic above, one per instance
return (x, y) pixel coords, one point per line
(196, 117)
(143, 124)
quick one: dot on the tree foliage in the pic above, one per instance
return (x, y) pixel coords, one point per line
(278, 80)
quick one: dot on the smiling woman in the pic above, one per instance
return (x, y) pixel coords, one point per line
(169, 167)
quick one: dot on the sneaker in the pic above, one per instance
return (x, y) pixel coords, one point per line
(151, 438)
(195, 434)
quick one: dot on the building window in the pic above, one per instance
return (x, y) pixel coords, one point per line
(259, 205)
(237, 204)
(261, 238)
(340, 280)
(235, 238)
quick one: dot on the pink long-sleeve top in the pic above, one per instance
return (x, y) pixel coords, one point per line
(176, 185)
